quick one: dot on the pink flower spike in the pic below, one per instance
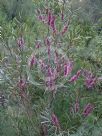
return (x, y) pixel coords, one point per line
(64, 29)
(52, 24)
(49, 17)
(48, 41)
(42, 65)
(67, 69)
(78, 72)
(20, 42)
(90, 82)
(88, 109)
(56, 57)
(50, 72)
(55, 120)
(49, 52)
(76, 106)
(31, 61)
(74, 78)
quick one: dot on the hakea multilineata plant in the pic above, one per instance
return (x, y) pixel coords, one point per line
(55, 65)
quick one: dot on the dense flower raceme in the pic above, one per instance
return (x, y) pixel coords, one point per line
(68, 68)
(90, 79)
(48, 42)
(90, 82)
(20, 42)
(88, 109)
(55, 120)
(32, 61)
(75, 77)
(65, 28)
(50, 79)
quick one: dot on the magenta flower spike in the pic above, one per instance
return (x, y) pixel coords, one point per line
(90, 79)
(52, 22)
(50, 84)
(56, 57)
(50, 72)
(64, 29)
(55, 120)
(62, 16)
(20, 42)
(76, 106)
(79, 72)
(90, 82)
(67, 69)
(88, 109)
(75, 77)
(49, 51)
(48, 41)
(42, 64)
(32, 61)
(49, 17)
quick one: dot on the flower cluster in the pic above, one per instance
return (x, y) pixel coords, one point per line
(76, 76)
(90, 79)
(88, 109)
(55, 120)
(20, 42)
(32, 61)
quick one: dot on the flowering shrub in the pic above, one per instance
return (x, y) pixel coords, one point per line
(51, 85)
